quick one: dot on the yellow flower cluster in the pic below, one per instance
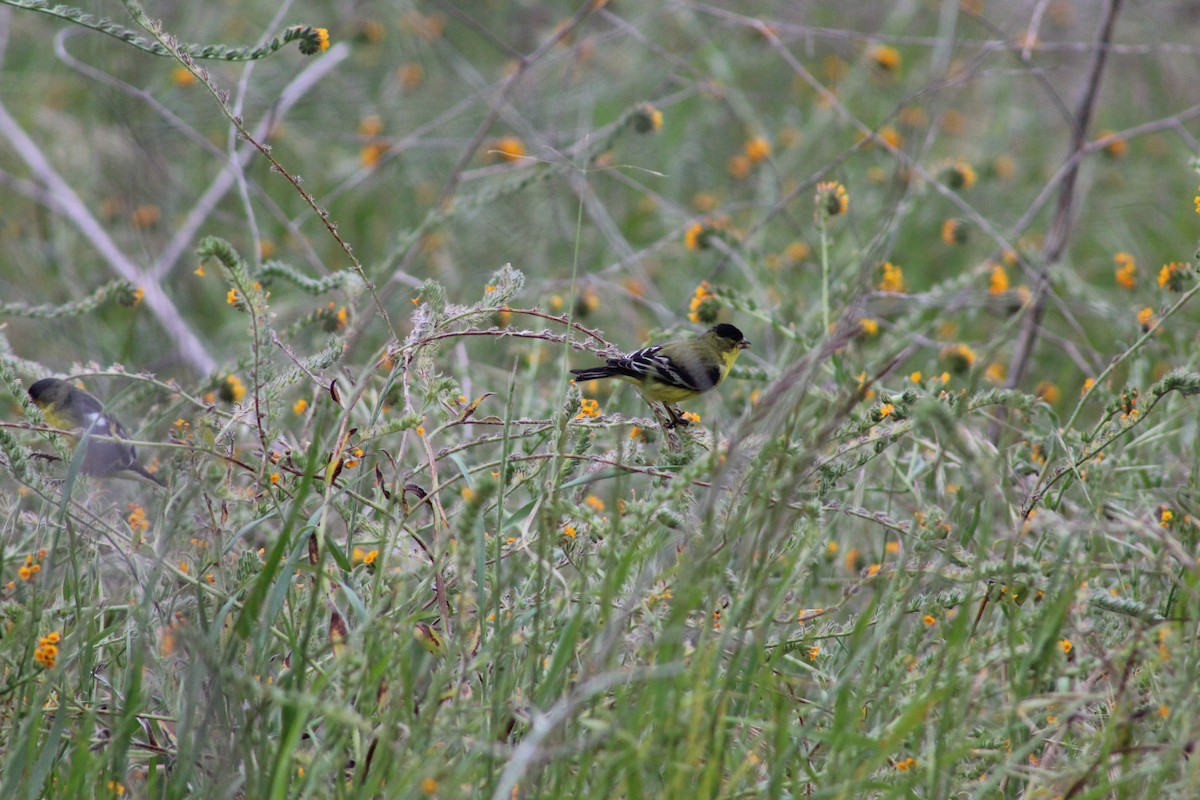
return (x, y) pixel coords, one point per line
(47, 650)
(29, 569)
(1173, 276)
(893, 278)
(361, 556)
(137, 519)
(588, 409)
(232, 390)
(1126, 272)
(958, 357)
(704, 307)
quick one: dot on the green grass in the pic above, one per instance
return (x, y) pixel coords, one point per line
(929, 540)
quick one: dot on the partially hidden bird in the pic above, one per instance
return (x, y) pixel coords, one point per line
(675, 371)
(71, 409)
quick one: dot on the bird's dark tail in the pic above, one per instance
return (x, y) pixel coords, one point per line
(609, 370)
(145, 473)
(594, 373)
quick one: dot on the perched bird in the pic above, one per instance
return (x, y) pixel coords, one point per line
(73, 409)
(668, 373)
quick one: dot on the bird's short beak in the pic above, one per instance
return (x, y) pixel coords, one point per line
(743, 344)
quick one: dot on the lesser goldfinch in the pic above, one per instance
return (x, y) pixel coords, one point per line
(72, 409)
(668, 373)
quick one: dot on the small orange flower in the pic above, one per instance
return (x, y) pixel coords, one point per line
(853, 559)
(1126, 272)
(885, 58)
(998, 280)
(893, 279)
(371, 152)
(758, 149)
(370, 125)
(797, 251)
(1173, 276)
(1114, 149)
(958, 175)
(410, 76)
(146, 216)
(954, 232)
(508, 148)
(647, 119)
(693, 239)
(232, 390)
(1048, 392)
(832, 199)
(958, 357)
(891, 137)
(182, 77)
(739, 167)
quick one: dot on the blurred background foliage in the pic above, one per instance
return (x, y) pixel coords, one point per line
(424, 95)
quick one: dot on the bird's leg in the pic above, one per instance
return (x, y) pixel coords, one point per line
(668, 418)
(677, 417)
(662, 413)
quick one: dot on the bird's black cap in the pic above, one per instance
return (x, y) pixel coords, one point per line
(41, 388)
(727, 331)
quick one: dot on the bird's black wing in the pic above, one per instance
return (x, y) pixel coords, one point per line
(653, 362)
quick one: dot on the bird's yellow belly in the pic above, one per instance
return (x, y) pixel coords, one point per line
(666, 394)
